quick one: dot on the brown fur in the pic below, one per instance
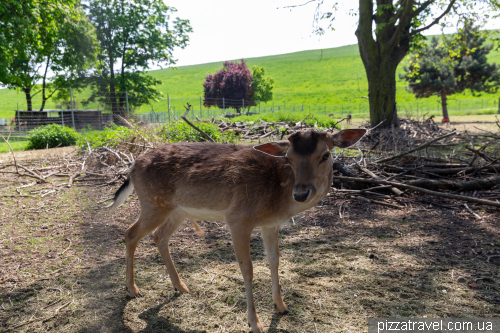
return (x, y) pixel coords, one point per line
(245, 187)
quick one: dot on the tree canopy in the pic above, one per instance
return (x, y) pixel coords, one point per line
(132, 35)
(50, 38)
(262, 87)
(229, 87)
(452, 65)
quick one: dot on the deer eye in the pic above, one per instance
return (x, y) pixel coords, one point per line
(325, 157)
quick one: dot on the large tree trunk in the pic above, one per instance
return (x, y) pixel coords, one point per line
(381, 56)
(382, 94)
(444, 104)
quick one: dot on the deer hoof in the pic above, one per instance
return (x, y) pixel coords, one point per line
(287, 311)
(139, 295)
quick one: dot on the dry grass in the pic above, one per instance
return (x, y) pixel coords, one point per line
(335, 272)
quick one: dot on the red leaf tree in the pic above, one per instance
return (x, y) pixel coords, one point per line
(229, 87)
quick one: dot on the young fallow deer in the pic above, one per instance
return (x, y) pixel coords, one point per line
(248, 187)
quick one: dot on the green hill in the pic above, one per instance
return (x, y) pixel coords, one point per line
(317, 78)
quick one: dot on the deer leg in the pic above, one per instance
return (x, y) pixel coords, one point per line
(241, 241)
(161, 236)
(149, 220)
(270, 237)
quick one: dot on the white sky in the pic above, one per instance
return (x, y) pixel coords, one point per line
(235, 29)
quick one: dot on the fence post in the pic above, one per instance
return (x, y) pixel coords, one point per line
(72, 112)
(126, 100)
(19, 119)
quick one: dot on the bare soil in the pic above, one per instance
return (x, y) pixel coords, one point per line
(343, 261)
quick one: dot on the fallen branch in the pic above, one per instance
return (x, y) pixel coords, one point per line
(205, 135)
(423, 190)
(374, 176)
(428, 143)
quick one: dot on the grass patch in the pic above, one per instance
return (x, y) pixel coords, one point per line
(16, 145)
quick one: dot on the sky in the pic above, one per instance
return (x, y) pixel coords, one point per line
(235, 29)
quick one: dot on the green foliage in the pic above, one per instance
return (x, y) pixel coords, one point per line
(52, 135)
(132, 35)
(180, 131)
(109, 136)
(321, 121)
(262, 87)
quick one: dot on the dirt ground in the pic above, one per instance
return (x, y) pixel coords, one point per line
(343, 261)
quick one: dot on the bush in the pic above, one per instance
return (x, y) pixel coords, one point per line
(180, 131)
(52, 135)
(109, 136)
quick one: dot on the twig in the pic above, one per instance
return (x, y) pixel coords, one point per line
(470, 211)
(493, 256)
(423, 190)
(132, 127)
(11, 150)
(205, 135)
(56, 312)
(379, 202)
(224, 275)
(414, 149)
(67, 247)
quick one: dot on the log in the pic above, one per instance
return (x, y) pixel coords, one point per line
(423, 190)
(456, 185)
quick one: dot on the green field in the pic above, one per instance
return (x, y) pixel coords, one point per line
(324, 81)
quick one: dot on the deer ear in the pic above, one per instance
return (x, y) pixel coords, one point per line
(345, 138)
(276, 148)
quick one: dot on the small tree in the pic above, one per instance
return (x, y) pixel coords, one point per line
(452, 66)
(229, 87)
(262, 87)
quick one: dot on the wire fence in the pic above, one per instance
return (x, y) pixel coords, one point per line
(77, 110)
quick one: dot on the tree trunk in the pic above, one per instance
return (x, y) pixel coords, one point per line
(29, 103)
(444, 104)
(382, 94)
(112, 92)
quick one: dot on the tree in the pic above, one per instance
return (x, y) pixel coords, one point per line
(54, 39)
(229, 87)
(450, 67)
(262, 87)
(386, 31)
(132, 35)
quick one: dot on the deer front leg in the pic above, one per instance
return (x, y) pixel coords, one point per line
(241, 241)
(270, 237)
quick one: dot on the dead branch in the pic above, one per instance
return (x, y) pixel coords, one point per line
(205, 135)
(374, 176)
(428, 143)
(423, 190)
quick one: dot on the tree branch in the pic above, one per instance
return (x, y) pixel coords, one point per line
(436, 21)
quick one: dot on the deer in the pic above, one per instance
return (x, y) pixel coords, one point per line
(248, 187)
(348, 119)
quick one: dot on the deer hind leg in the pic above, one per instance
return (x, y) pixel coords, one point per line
(241, 241)
(270, 237)
(151, 218)
(161, 236)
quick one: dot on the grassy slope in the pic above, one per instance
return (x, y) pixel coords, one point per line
(318, 77)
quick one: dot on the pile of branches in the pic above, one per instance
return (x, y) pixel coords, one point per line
(425, 158)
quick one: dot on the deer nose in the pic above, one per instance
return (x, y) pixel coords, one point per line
(301, 197)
